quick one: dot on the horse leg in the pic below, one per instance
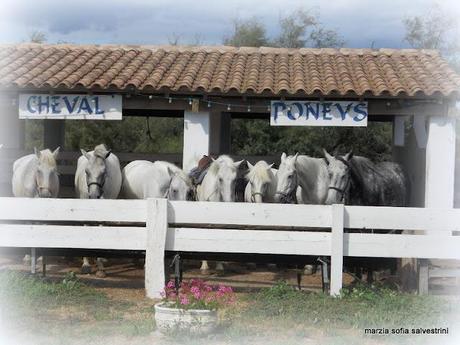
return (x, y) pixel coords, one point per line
(220, 267)
(86, 267)
(100, 273)
(204, 267)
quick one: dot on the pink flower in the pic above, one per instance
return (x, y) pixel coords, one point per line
(184, 300)
(171, 285)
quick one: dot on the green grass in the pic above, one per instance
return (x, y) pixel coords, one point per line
(69, 309)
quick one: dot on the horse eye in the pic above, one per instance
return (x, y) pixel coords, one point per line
(221, 180)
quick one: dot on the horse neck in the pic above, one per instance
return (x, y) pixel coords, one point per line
(113, 178)
(313, 178)
(209, 188)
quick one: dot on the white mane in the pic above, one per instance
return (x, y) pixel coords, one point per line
(261, 171)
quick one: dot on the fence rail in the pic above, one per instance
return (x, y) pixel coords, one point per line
(158, 225)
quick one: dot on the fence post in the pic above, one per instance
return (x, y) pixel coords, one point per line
(423, 276)
(157, 226)
(336, 249)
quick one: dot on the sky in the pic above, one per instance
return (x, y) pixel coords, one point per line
(359, 22)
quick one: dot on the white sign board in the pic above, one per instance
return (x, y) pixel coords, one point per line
(70, 106)
(311, 113)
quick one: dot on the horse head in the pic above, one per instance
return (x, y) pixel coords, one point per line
(226, 178)
(96, 171)
(46, 175)
(287, 180)
(260, 178)
(181, 187)
(339, 171)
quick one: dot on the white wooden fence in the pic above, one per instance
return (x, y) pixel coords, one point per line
(156, 225)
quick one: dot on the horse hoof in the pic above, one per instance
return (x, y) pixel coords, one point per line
(101, 274)
(220, 273)
(85, 269)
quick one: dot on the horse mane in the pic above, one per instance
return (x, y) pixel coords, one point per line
(216, 164)
(361, 167)
(47, 157)
(260, 171)
(101, 151)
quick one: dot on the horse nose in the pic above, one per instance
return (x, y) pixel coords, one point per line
(45, 194)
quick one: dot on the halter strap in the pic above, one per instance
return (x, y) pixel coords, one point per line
(96, 183)
(254, 194)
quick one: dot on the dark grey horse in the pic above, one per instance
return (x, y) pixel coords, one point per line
(355, 180)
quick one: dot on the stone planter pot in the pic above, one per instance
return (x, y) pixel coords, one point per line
(195, 321)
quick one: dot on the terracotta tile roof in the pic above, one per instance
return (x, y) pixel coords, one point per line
(221, 70)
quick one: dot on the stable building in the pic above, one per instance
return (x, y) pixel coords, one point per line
(208, 86)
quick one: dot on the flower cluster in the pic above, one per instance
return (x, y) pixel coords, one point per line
(197, 294)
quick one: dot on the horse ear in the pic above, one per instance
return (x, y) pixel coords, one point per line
(237, 164)
(270, 166)
(295, 156)
(84, 153)
(56, 152)
(349, 155)
(250, 166)
(36, 152)
(283, 156)
(327, 156)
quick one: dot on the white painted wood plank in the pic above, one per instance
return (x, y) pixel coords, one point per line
(397, 246)
(157, 227)
(59, 236)
(103, 210)
(423, 284)
(248, 241)
(336, 249)
(402, 218)
(444, 272)
(275, 215)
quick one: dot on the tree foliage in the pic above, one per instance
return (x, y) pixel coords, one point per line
(435, 29)
(247, 33)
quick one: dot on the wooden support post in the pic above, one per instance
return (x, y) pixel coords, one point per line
(337, 249)
(196, 138)
(33, 260)
(423, 277)
(157, 227)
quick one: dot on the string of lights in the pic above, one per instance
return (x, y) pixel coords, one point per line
(208, 103)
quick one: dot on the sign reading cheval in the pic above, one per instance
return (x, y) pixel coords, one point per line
(70, 106)
(311, 113)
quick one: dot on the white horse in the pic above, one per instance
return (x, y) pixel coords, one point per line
(261, 185)
(144, 179)
(219, 185)
(219, 182)
(36, 176)
(98, 176)
(305, 179)
(311, 174)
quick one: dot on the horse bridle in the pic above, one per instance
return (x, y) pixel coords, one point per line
(340, 190)
(253, 196)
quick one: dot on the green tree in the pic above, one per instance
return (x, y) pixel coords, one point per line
(435, 29)
(247, 33)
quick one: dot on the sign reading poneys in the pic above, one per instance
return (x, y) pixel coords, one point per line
(311, 113)
(70, 106)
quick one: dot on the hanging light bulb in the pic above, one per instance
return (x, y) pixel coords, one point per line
(209, 104)
(268, 108)
(190, 101)
(170, 100)
(150, 96)
(228, 107)
(249, 108)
